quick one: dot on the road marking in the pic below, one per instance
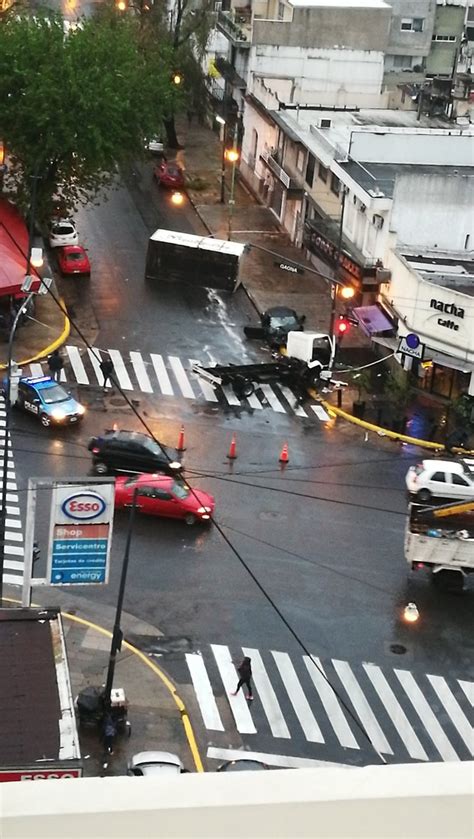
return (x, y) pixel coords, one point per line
(331, 704)
(13, 565)
(11, 580)
(395, 712)
(141, 372)
(12, 522)
(292, 401)
(204, 695)
(207, 389)
(13, 537)
(181, 377)
(320, 413)
(77, 365)
(298, 699)
(120, 371)
(96, 358)
(468, 688)
(458, 718)
(362, 707)
(254, 402)
(267, 695)
(272, 399)
(238, 704)
(285, 761)
(162, 374)
(426, 715)
(229, 394)
(13, 550)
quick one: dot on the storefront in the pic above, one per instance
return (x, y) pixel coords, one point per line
(321, 239)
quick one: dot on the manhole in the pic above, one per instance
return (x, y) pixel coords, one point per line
(398, 649)
(117, 402)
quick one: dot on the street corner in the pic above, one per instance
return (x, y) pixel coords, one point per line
(49, 329)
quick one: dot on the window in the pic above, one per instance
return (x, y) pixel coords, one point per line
(335, 184)
(323, 173)
(444, 38)
(281, 11)
(459, 481)
(402, 62)
(439, 477)
(309, 177)
(300, 160)
(412, 24)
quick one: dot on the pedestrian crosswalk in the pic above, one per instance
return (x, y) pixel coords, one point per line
(169, 376)
(13, 549)
(357, 707)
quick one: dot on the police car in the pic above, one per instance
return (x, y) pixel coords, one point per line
(49, 401)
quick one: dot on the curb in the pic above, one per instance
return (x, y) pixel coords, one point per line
(383, 432)
(194, 206)
(54, 344)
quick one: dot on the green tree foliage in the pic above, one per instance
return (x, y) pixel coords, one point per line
(73, 106)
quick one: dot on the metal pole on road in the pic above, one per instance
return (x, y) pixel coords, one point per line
(117, 635)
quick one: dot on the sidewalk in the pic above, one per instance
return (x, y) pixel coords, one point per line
(157, 720)
(46, 329)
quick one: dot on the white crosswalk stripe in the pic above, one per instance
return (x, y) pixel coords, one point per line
(13, 549)
(358, 708)
(167, 376)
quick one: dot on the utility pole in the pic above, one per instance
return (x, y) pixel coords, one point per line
(232, 156)
(337, 282)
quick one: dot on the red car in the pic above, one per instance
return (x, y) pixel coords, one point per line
(73, 259)
(169, 175)
(160, 495)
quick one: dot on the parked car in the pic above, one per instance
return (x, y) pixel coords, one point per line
(155, 145)
(243, 764)
(160, 495)
(131, 452)
(49, 401)
(275, 325)
(155, 763)
(62, 232)
(169, 175)
(73, 259)
(441, 479)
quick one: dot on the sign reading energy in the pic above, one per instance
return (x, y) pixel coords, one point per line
(80, 534)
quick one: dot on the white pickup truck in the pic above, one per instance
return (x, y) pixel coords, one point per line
(442, 540)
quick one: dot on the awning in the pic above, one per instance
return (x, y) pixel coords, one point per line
(431, 355)
(372, 320)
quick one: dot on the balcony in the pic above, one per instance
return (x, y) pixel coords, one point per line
(229, 73)
(291, 184)
(236, 26)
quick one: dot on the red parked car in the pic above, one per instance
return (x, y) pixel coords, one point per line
(169, 175)
(73, 259)
(160, 495)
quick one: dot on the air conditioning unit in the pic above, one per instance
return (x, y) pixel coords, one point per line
(378, 221)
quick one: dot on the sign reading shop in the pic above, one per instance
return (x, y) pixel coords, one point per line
(447, 309)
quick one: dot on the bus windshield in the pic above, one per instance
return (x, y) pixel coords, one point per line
(196, 260)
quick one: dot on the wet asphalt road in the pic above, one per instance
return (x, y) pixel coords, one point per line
(324, 537)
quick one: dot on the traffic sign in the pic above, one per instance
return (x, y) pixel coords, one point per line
(411, 345)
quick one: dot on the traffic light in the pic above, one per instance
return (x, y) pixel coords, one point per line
(342, 326)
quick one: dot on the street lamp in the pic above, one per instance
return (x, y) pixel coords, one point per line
(232, 155)
(222, 123)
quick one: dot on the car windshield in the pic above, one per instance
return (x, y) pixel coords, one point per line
(52, 395)
(173, 170)
(286, 320)
(154, 448)
(77, 256)
(179, 490)
(63, 230)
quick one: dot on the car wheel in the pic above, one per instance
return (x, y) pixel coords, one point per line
(190, 519)
(45, 420)
(243, 387)
(100, 468)
(423, 495)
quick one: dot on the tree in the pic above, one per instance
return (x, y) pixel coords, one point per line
(74, 106)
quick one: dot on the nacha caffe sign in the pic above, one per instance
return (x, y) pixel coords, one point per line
(448, 311)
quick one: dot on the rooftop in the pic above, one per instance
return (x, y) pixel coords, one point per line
(453, 271)
(344, 4)
(378, 179)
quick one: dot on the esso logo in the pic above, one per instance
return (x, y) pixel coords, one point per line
(83, 506)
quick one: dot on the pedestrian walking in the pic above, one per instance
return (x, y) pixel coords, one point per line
(107, 368)
(245, 674)
(55, 365)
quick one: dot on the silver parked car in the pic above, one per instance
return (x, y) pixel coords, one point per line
(155, 763)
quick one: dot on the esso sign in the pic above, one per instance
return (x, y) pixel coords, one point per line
(83, 506)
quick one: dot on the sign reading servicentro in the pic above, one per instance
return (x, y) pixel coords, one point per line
(80, 534)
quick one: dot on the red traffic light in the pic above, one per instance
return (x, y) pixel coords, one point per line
(342, 326)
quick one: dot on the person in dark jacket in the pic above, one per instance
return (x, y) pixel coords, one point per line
(109, 732)
(245, 674)
(55, 365)
(107, 367)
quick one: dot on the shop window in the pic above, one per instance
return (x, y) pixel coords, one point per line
(323, 173)
(309, 177)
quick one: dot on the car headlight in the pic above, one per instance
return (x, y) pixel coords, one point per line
(203, 510)
(81, 410)
(175, 465)
(58, 414)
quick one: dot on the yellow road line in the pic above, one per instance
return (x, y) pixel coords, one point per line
(51, 347)
(188, 729)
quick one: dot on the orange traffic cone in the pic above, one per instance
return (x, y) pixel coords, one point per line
(232, 454)
(181, 447)
(284, 456)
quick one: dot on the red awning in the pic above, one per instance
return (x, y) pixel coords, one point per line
(13, 250)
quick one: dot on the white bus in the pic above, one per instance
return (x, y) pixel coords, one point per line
(197, 260)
